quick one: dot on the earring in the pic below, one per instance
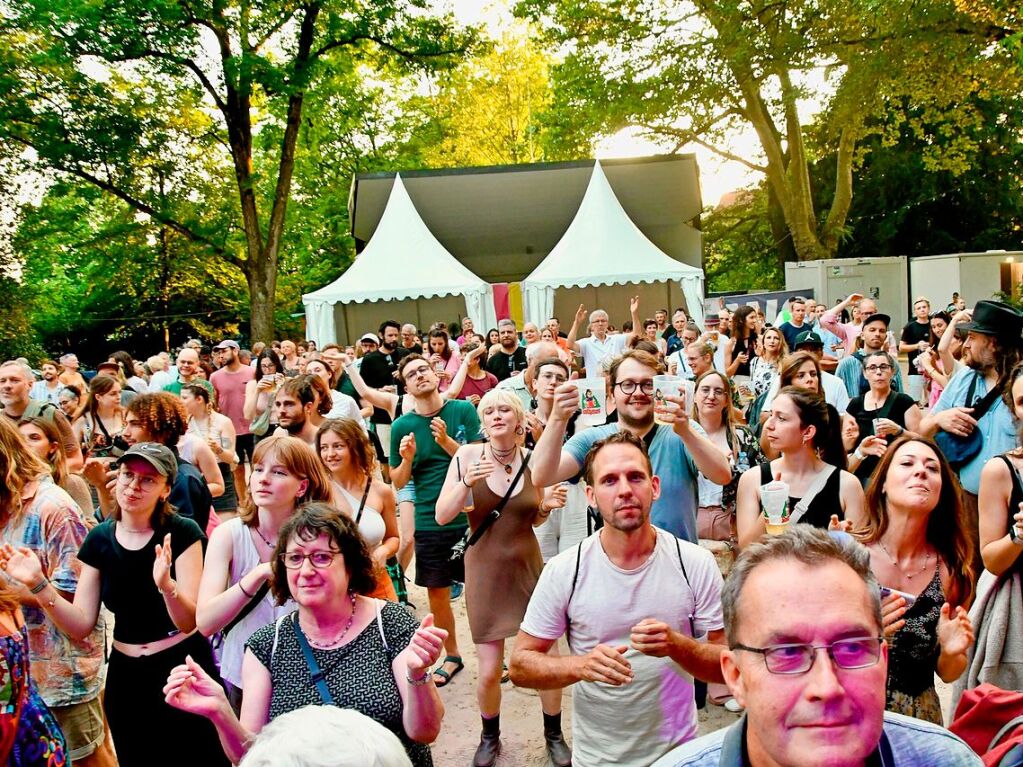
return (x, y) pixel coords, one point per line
(533, 404)
(519, 430)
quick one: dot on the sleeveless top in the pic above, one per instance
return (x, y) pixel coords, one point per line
(827, 502)
(371, 524)
(748, 345)
(1016, 496)
(244, 557)
(913, 656)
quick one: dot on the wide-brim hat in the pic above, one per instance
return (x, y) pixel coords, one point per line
(993, 318)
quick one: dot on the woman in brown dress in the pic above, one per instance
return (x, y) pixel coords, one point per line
(503, 565)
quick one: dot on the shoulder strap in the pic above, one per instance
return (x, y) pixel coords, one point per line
(277, 637)
(811, 492)
(314, 668)
(1017, 482)
(261, 592)
(685, 575)
(493, 516)
(985, 403)
(365, 495)
(648, 438)
(380, 624)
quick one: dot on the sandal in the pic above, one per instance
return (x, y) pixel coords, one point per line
(447, 676)
(505, 675)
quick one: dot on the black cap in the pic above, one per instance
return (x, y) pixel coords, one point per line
(156, 455)
(878, 317)
(993, 318)
(809, 338)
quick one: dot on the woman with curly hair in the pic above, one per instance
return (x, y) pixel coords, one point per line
(921, 547)
(339, 648)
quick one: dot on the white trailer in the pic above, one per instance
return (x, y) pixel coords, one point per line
(884, 279)
(974, 276)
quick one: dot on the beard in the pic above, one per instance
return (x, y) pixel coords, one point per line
(295, 427)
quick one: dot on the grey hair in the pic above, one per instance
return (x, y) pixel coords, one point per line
(805, 544)
(25, 369)
(325, 736)
(882, 353)
(598, 313)
(506, 322)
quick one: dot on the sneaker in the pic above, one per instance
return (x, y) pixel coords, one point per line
(457, 587)
(734, 706)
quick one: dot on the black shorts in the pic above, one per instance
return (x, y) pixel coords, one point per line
(244, 444)
(434, 568)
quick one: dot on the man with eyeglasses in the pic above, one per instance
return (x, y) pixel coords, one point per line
(642, 614)
(601, 346)
(422, 443)
(808, 662)
(678, 452)
(874, 333)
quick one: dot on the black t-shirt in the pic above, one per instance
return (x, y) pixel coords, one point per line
(502, 365)
(126, 577)
(190, 495)
(897, 404)
(377, 370)
(914, 333)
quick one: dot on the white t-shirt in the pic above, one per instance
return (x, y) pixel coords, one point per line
(594, 351)
(835, 393)
(678, 359)
(635, 724)
(343, 406)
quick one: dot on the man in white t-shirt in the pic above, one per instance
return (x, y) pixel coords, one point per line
(642, 614)
(601, 347)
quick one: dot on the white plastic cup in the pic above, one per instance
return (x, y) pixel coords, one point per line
(667, 386)
(774, 497)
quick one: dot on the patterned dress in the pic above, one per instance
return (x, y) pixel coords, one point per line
(29, 735)
(913, 657)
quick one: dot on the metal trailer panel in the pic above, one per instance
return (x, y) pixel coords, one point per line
(883, 279)
(975, 276)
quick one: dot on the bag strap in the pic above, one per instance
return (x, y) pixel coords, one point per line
(981, 408)
(261, 592)
(811, 492)
(365, 495)
(493, 516)
(314, 668)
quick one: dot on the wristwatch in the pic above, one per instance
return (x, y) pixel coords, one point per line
(1014, 535)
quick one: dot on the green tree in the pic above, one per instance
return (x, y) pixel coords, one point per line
(192, 114)
(699, 72)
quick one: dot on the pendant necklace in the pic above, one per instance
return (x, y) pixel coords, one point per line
(927, 559)
(509, 453)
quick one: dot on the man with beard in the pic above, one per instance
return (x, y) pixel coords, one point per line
(511, 359)
(379, 369)
(848, 332)
(47, 390)
(15, 396)
(633, 653)
(992, 349)
(678, 452)
(300, 404)
(229, 383)
(422, 443)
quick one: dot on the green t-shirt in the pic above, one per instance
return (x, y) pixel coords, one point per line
(175, 388)
(430, 465)
(345, 386)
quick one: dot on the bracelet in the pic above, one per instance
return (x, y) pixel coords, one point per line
(173, 592)
(426, 678)
(40, 586)
(250, 596)
(858, 455)
(462, 480)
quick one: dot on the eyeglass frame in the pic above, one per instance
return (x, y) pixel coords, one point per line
(812, 656)
(642, 386)
(284, 559)
(418, 372)
(881, 367)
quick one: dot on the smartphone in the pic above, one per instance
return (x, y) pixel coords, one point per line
(886, 592)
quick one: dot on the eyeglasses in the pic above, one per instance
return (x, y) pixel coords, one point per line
(629, 387)
(293, 560)
(144, 481)
(706, 391)
(884, 367)
(422, 370)
(860, 652)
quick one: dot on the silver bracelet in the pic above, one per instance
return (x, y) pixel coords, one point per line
(425, 680)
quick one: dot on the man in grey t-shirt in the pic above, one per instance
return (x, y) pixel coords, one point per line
(634, 602)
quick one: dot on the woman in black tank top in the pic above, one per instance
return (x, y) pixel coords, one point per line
(797, 428)
(743, 346)
(1001, 492)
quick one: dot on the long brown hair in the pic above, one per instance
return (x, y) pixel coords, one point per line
(355, 439)
(727, 412)
(18, 467)
(790, 365)
(55, 455)
(948, 527)
(298, 458)
(100, 384)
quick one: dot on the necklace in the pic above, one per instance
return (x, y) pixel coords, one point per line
(138, 532)
(263, 537)
(336, 640)
(507, 466)
(927, 558)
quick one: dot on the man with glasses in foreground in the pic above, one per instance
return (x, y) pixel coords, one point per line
(422, 443)
(678, 452)
(808, 662)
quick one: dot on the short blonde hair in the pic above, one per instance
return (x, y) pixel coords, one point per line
(496, 397)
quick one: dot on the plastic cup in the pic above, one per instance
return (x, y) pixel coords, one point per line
(774, 497)
(666, 386)
(877, 425)
(839, 352)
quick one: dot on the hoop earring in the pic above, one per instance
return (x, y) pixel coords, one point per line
(519, 430)
(533, 404)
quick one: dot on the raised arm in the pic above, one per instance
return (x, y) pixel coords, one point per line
(550, 463)
(384, 400)
(829, 320)
(580, 317)
(637, 323)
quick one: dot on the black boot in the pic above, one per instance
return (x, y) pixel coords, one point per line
(490, 743)
(558, 750)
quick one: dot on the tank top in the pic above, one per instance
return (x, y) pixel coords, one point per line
(748, 345)
(1016, 496)
(827, 502)
(244, 557)
(371, 524)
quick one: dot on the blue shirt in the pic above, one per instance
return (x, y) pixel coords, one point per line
(675, 509)
(850, 370)
(905, 742)
(996, 427)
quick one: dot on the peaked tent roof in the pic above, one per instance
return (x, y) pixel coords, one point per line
(402, 260)
(602, 246)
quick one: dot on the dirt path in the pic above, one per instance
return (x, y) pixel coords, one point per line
(521, 719)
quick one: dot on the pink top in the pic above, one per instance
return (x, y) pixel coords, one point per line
(230, 390)
(451, 367)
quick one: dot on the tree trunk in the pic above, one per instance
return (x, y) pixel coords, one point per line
(262, 280)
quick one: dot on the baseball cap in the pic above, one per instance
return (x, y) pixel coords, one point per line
(228, 344)
(371, 337)
(878, 317)
(156, 455)
(809, 338)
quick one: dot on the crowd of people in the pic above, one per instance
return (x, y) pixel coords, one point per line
(204, 557)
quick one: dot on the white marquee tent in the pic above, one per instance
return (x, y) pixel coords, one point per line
(404, 274)
(603, 246)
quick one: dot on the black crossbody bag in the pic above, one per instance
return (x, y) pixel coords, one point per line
(467, 540)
